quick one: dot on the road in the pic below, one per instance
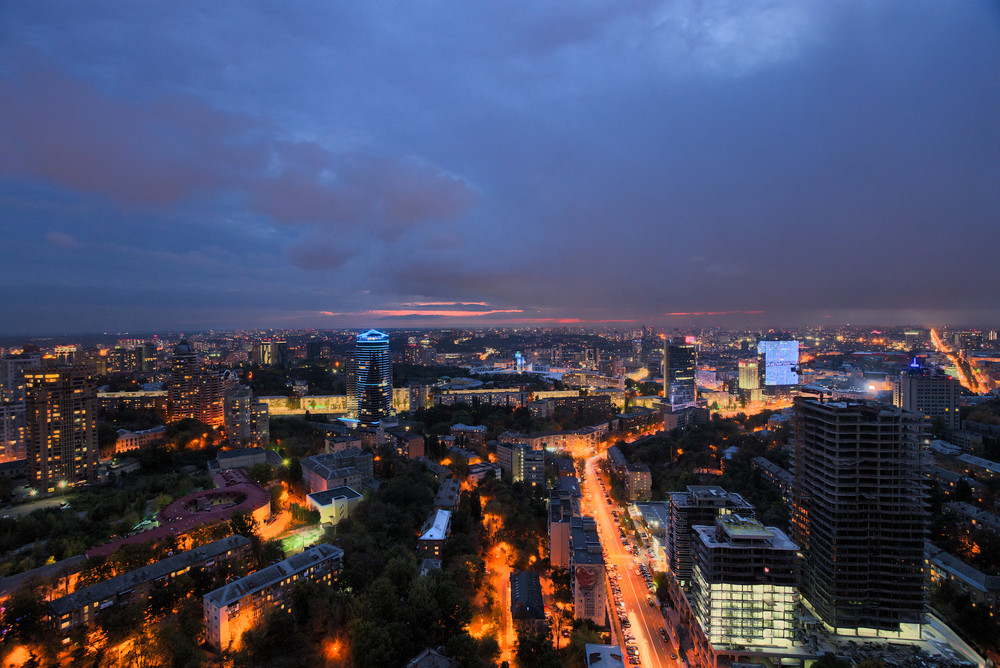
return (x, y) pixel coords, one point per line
(646, 620)
(27, 508)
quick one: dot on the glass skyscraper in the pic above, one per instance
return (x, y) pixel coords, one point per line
(680, 368)
(372, 377)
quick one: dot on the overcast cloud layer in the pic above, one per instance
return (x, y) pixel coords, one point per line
(229, 164)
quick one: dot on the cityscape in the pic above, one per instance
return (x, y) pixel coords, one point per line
(517, 496)
(645, 333)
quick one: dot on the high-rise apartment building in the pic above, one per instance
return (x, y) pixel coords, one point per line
(12, 368)
(246, 419)
(195, 392)
(859, 516)
(680, 370)
(372, 372)
(929, 392)
(61, 426)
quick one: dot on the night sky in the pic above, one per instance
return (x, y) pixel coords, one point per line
(195, 165)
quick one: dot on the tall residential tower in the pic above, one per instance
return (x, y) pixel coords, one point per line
(372, 377)
(61, 426)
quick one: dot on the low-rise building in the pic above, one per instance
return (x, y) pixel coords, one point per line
(239, 606)
(405, 442)
(638, 482)
(481, 471)
(775, 475)
(334, 505)
(527, 607)
(604, 656)
(352, 467)
(83, 605)
(133, 440)
(448, 494)
(469, 436)
(587, 571)
(435, 532)
(512, 397)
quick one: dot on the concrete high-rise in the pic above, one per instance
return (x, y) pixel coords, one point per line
(931, 393)
(372, 371)
(12, 369)
(859, 516)
(195, 392)
(61, 426)
(680, 370)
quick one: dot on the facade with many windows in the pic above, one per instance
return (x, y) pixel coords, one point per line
(745, 583)
(239, 606)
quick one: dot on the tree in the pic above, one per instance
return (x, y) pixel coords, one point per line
(534, 648)
(244, 524)
(261, 473)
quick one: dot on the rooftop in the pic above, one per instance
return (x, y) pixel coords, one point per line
(234, 591)
(326, 497)
(438, 529)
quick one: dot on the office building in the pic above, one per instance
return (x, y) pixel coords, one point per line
(749, 375)
(781, 363)
(745, 583)
(859, 516)
(61, 426)
(929, 392)
(194, 392)
(372, 377)
(680, 367)
(240, 606)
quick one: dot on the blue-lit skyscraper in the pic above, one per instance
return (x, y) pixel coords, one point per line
(781, 362)
(372, 373)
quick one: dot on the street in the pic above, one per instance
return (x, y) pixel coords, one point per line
(645, 619)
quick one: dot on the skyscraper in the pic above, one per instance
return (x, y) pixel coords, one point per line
(372, 377)
(61, 426)
(194, 392)
(680, 366)
(932, 393)
(859, 516)
(12, 370)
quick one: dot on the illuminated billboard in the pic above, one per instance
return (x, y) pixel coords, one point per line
(781, 362)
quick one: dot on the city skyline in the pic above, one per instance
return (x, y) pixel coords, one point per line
(737, 164)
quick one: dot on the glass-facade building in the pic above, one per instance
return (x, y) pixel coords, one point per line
(372, 377)
(781, 362)
(680, 367)
(745, 583)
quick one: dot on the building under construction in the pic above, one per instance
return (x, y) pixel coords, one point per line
(860, 516)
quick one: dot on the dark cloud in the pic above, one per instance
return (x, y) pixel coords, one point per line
(590, 162)
(386, 193)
